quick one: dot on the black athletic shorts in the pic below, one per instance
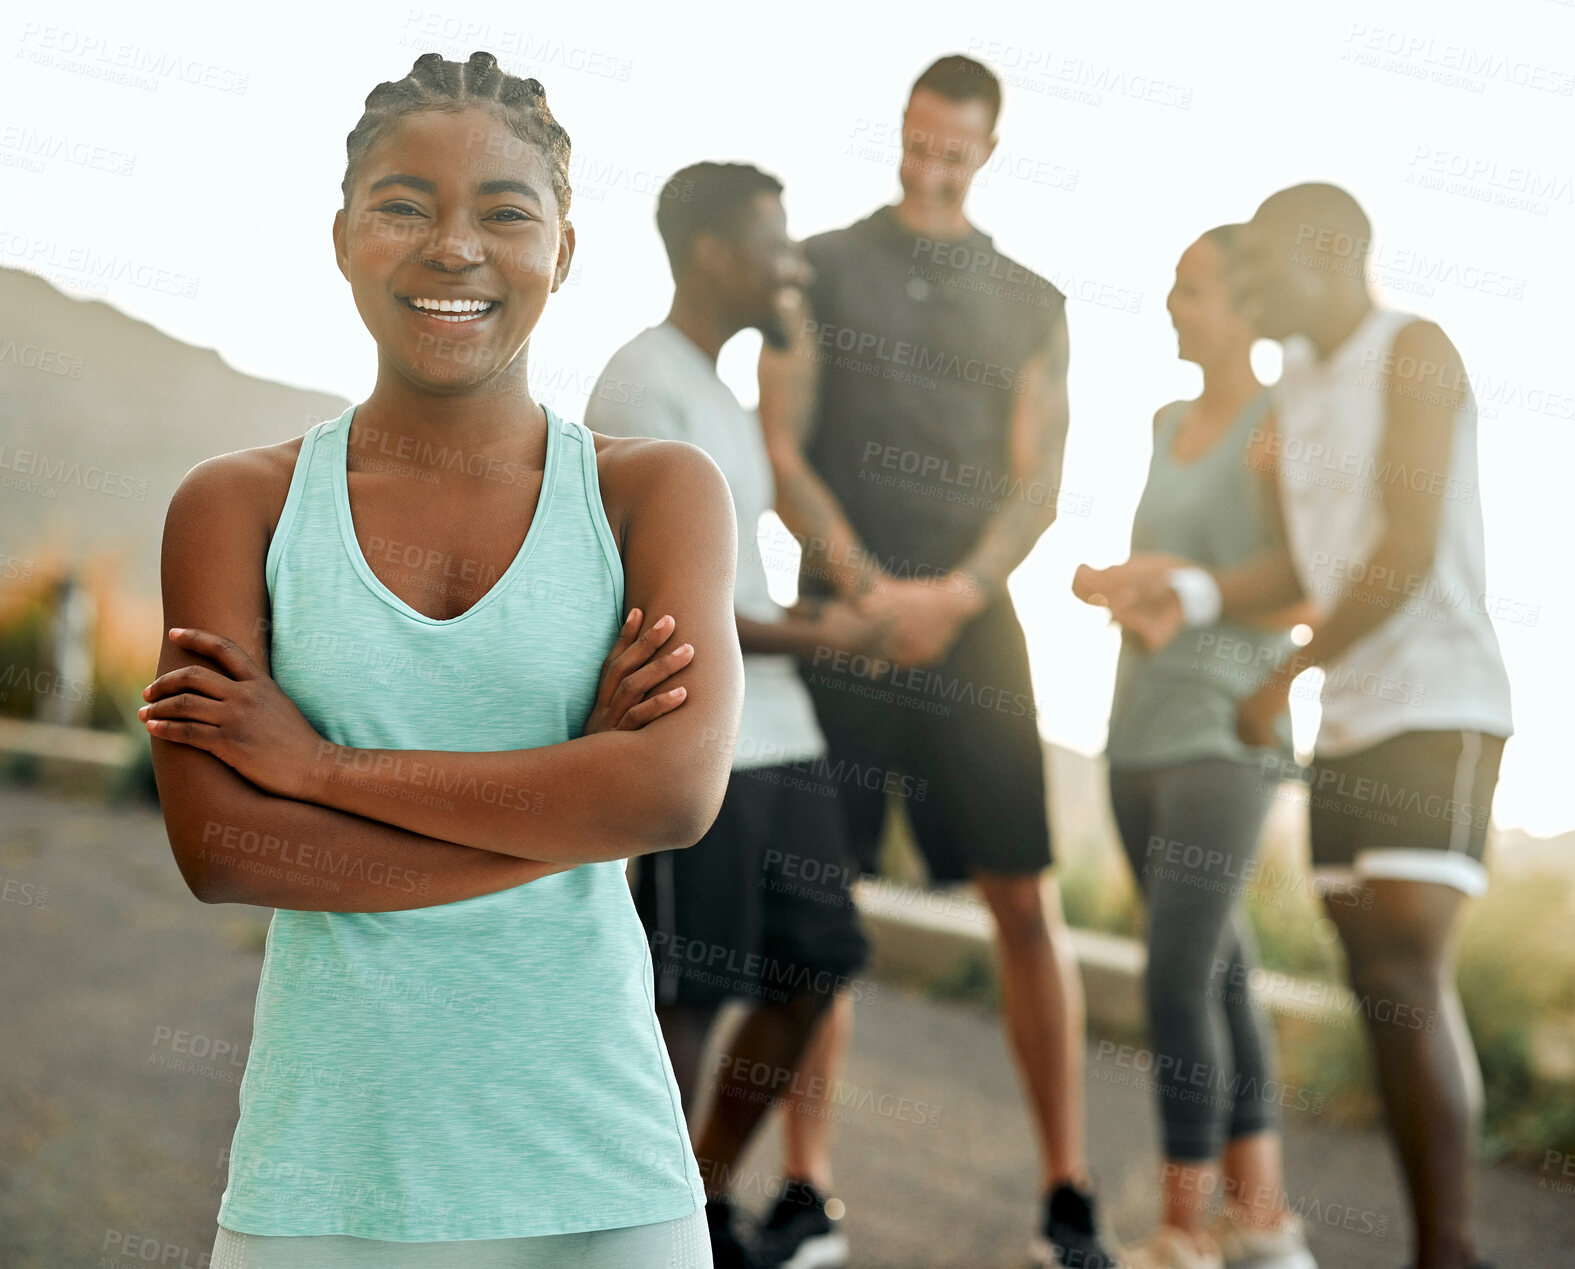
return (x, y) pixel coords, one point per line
(760, 907)
(1413, 807)
(957, 741)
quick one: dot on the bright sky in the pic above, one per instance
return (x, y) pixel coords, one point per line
(209, 144)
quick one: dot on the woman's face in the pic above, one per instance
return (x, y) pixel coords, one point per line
(1201, 306)
(451, 245)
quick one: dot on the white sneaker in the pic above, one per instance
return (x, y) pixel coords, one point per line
(1170, 1248)
(1248, 1246)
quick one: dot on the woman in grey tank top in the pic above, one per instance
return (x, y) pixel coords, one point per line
(1190, 800)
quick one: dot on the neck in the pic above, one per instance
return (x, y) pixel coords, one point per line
(493, 416)
(926, 220)
(1229, 382)
(1337, 320)
(706, 328)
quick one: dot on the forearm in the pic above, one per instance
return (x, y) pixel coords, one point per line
(795, 636)
(831, 546)
(1005, 543)
(1363, 606)
(1261, 584)
(549, 803)
(237, 844)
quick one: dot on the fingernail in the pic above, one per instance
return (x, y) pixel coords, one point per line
(143, 711)
(686, 649)
(679, 692)
(175, 630)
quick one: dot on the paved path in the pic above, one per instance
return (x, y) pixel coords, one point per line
(110, 1155)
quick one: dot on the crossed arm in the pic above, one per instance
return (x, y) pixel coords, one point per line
(236, 762)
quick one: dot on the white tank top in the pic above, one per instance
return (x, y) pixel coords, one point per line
(1434, 664)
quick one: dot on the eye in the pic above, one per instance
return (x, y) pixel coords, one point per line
(401, 208)
(516, 215)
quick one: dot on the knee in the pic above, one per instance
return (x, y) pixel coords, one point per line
(1017, 905)
(1398, 974)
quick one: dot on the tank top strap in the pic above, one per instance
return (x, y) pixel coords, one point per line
(297, 493)
(572, 432)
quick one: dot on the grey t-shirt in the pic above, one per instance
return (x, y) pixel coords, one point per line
(660, 384)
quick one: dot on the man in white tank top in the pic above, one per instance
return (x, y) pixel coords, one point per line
(1375, 465)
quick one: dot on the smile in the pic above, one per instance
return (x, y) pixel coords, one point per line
(450, 310)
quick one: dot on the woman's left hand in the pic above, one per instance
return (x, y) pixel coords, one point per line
(242, 717)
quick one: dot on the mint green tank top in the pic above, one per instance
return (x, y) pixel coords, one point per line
(490, 1068)
(1179, 704)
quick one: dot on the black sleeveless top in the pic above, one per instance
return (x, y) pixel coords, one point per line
(921, 345)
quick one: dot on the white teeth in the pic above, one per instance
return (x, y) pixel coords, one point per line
(471, 309)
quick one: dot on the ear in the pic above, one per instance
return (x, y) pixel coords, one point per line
(341, 255)
(989, 150)
(560, 273)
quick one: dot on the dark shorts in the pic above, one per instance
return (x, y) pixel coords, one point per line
(958, 742)
(760, 907)
(1414, 807)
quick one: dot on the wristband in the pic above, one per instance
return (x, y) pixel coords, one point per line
(1199, 594)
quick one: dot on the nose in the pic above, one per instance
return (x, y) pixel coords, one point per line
(452, 248)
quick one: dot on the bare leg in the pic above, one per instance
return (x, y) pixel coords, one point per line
(1399, 941)
(1187, 1189)
(806, 1107)
(1255, 1179)
(759, 1065)
(1042, 996)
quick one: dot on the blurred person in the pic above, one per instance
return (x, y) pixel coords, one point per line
(1190, 799)
(412, 716)
(767, 887)
(1375, 457)
(916, 428)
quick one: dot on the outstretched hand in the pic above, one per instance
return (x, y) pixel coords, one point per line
(1138, 595)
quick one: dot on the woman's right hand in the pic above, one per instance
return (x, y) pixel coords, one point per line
(632, 671)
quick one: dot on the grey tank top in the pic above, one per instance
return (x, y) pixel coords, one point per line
(1179, 703)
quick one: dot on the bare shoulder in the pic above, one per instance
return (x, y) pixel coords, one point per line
(639, 472)
(252, 483)
(1421, 350)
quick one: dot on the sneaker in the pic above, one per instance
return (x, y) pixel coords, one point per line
(728, 1251)
(1170, 1248)
(804, 1230)
(1248, 1246)
(1069, 1236)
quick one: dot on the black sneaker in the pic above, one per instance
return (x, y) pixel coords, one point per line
(804, 1231)
(1069, 1235)
(728, 1251)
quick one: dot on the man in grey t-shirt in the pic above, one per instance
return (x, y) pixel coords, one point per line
(760, 908)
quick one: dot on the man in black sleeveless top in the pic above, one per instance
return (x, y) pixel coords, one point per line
(916, 429)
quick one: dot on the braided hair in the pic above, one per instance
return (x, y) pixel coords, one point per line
(437, 84)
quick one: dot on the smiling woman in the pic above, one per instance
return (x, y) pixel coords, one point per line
(403, 706)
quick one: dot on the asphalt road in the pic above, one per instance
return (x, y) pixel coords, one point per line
(127, 1017)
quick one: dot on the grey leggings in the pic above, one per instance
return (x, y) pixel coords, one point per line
(1190, 831)
(684, 1243)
